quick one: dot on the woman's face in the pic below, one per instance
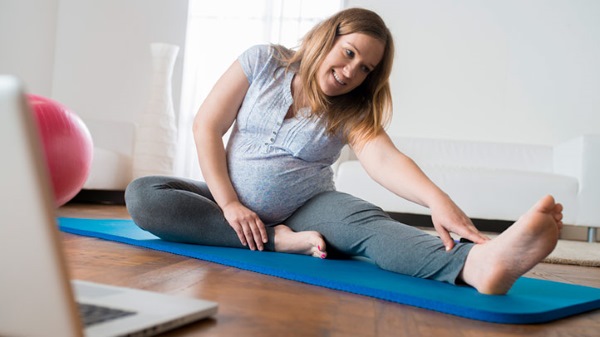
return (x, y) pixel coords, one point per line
(347, 65)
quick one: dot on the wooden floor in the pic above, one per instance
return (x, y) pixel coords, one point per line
(252, 304)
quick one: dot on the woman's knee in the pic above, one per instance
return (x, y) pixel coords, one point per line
(135, 191)
(141, 197)
(141, 185)
(144, 188)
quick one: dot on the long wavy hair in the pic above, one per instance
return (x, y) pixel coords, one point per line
(365, 111)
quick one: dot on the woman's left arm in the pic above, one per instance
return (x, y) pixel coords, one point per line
(400, 174)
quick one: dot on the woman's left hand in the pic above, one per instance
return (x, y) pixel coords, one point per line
(448, 218)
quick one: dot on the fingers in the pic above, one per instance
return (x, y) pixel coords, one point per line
(259, 235)
(263, 233)
(473, 234)
(252, 234)
(247, 225)
(466, 229)
(462, 227)
(447, 218)
(446, 238)
(240, 233)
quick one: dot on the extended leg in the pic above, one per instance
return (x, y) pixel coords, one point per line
(355, 227)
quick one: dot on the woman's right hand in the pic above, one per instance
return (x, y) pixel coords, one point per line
(247, 225)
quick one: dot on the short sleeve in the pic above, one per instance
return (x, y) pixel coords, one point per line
(254, 60)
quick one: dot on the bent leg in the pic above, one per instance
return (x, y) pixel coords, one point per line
(181, 210)
(355, 227)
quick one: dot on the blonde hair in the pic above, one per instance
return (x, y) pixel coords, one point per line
(365, 111)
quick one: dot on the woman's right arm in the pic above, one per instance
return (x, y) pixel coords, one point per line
(215, 116)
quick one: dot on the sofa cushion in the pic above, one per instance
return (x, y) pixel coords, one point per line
(110, 171)
(463, 153)
(482, 193)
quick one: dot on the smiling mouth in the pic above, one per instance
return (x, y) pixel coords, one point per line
(337, 79)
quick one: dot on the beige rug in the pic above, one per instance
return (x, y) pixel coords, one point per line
(576, 253)
(569, 252)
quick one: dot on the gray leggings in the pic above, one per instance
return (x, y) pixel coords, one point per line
(183, 210)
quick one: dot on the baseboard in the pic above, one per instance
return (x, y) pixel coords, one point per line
(421, 220)
(109, 197)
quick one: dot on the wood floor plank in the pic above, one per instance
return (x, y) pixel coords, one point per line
(253, 304)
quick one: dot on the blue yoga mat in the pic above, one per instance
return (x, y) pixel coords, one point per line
(529, 301)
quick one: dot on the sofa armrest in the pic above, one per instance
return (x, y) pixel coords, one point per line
(345, 155)
(116, 136)
(113, 151)
(580, 158)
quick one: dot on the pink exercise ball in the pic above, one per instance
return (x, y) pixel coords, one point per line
(67, 145)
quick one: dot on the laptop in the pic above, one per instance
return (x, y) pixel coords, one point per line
(37, 298)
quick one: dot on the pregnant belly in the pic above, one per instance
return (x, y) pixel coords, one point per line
(274, 189)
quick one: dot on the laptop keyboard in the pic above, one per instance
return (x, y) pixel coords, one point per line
(93, 314)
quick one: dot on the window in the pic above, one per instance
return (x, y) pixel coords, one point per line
(218, 32)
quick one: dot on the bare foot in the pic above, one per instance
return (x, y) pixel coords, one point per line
(307, 243)
(494, 266)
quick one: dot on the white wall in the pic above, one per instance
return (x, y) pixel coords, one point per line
(27, 35)
(91, 55)
(497, 70)
(103, 64)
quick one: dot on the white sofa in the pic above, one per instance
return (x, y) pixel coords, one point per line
(496, 181)
(112, 162)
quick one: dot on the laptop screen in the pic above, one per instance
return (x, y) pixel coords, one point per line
(34, 286)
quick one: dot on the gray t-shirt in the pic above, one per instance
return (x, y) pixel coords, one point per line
(277, 164)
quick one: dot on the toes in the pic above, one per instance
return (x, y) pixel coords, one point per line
(319, 248)
(558, 208)
(558, 216)
(319, 254)
(546, 204)
(321, 245)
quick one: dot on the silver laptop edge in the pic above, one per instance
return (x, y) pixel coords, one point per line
(36, 295)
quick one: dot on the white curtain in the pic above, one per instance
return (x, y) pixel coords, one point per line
(218, 32)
